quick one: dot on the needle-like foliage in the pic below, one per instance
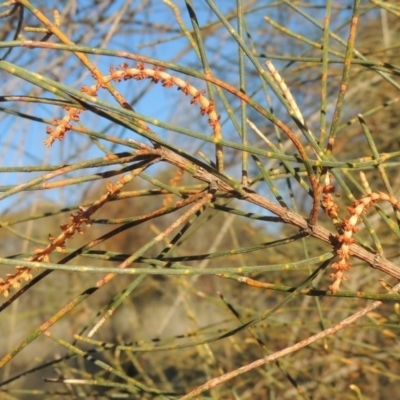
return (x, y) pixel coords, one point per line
(199, 198)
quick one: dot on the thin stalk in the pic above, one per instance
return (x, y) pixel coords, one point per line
(207, 71)
(242, 85)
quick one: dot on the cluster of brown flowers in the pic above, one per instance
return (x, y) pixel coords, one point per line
(78, 219)
(123, 72)
(42, 255)
(347, 227)
(168, 81)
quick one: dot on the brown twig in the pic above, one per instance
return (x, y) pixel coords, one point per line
(288, 216)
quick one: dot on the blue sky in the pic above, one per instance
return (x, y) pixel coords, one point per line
(22, 141)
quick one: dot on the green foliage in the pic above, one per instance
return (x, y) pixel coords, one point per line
(197, 197)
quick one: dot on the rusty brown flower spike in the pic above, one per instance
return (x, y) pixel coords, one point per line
(348, 226)
(123, 73)
(78, 220)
